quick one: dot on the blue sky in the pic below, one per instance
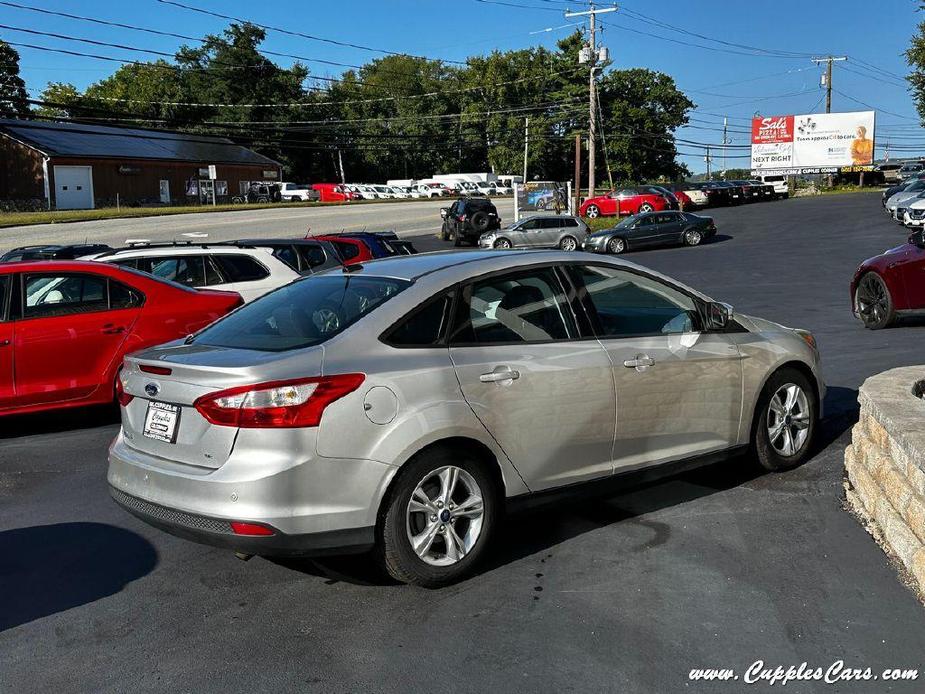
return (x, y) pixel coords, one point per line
(722, 79)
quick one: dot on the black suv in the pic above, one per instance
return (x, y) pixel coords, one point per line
(467, 219)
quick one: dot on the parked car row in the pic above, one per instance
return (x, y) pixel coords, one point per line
(632, 200)
(95, 304)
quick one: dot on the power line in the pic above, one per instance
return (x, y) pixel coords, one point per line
(310, 37)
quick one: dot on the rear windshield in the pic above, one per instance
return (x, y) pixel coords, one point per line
(304, 313)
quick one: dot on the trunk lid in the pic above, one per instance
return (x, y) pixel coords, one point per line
(165, 382)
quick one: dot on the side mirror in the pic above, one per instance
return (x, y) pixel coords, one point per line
(917, 238)
(443, 211)
(718, 315)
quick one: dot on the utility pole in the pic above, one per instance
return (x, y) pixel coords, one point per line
(592, 54)
(726, 141)
(526, 144)
(827, 80)
(577, 189)
(709, 160)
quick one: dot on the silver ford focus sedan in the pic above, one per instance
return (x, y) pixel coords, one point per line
(404, 405)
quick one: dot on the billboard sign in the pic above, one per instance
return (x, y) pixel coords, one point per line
(535, 196)
(813, 143)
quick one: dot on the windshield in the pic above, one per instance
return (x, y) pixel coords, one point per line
(302, 314)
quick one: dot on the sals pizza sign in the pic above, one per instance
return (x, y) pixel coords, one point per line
(808, 143)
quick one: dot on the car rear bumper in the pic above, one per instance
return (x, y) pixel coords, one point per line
(312, 504)
(217, 532)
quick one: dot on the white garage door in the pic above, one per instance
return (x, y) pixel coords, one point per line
(74, 187)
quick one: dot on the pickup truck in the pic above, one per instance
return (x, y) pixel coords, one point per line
(298, 192)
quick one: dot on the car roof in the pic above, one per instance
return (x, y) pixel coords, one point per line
(457, 266)
(195, 249)
(60, 266)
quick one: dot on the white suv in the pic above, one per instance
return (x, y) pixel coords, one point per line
(779, 182)
(251, 272)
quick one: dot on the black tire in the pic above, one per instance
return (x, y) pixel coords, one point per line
(503, 243)
(768, 452)
(616, 245)
(480, 221)
(873, 302)
(568, 243)
(692, 237)
(593, 212)
(394, 549)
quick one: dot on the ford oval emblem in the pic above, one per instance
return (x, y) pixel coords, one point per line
(152, 389)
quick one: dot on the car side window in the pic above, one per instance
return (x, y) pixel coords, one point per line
(312, 256)
(424, 326)
(4, 296)
(186, 270)
(213, 274)
(645, 221)
(568, 222)
(348, 251)
(63, 295)
(287, 254)
(529, 225)
(240, 268)
(525, 306)
(121, 296)
(631, 305)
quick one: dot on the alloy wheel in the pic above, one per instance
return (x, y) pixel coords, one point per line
(593, 212)
(693, 237)
(568, 244)
(616, 246)
(871, 299)
(788, 420)
(444, 516)
(502, 243)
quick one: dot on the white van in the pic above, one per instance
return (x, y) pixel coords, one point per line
(781, 190)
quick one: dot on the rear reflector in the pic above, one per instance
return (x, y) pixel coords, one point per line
(159, 370)
(239, 528)
(122, 397)
(276, 404)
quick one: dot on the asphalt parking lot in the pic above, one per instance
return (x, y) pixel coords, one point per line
(714, 569)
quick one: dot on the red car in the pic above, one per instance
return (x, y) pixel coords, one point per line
(66, 325)
(333, 192)
(630, 200)
(890, 284)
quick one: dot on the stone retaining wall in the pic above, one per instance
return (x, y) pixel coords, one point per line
(885, 466)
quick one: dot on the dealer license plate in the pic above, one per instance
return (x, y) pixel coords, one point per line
(161, 422)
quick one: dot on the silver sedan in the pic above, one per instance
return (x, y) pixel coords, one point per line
(404, 405)
(542, 231)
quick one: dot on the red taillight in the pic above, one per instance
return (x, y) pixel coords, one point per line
(122, 397)
(239, 528)
(277, 404)
(462, 218)
(159, 370)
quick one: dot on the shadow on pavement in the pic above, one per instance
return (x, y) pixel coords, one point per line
(46, 569)
(54, 422)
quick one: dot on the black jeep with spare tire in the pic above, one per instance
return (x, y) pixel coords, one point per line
(467, 219)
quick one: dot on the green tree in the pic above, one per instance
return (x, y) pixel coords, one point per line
(14, 101)
(915, 57)
(641, 110)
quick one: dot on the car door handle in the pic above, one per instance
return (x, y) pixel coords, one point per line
(112, 329)
(640, 363)
(500, 375)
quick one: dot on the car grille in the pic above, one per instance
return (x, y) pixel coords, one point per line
(170, 515)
